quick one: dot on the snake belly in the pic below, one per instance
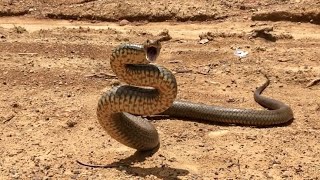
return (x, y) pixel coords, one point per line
(152, 89)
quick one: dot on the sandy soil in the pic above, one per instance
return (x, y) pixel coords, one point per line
(52, 72)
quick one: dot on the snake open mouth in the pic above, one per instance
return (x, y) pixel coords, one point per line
(152, 53)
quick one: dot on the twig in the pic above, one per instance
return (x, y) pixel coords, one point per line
(85, 1)
(206, 69)
(102, 75)
(7, 119)
(184, 71)
(101, 166)
(212, 82)
(313, 82)
(174, 61)
(28, 54)
(203, 73)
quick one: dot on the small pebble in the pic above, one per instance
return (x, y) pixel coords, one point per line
(203, 41)
(218, 133)
(71, 123)
(15, 105)
(123, 22)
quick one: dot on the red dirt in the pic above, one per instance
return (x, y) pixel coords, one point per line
(50, 86)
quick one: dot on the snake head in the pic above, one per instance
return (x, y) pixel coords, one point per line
(152, 49)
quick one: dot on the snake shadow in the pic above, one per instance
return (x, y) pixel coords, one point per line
(166, 117)
(125, 165)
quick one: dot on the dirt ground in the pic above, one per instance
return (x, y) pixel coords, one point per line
(54, 65)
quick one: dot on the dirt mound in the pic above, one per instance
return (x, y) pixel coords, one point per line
(159, 11)
(151, 11)
(310, 16)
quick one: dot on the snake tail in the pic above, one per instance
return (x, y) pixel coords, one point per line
(278, 113)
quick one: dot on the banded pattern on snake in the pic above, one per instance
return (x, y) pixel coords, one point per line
(117, 108)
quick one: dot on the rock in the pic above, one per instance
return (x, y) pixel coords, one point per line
(203, 41)
(214, 134)
(164, 35)
(263, 32)
(15, 105)
(123, 22)
(71, 123)
(206, 35)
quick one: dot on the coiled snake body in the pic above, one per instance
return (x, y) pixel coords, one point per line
(117, 108)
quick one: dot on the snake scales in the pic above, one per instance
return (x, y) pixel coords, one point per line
(117, 108)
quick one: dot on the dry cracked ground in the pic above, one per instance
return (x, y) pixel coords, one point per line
(54, 65)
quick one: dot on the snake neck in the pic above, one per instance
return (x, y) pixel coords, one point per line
(130, 65)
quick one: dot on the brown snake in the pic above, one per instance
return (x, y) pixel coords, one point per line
(117, 108)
